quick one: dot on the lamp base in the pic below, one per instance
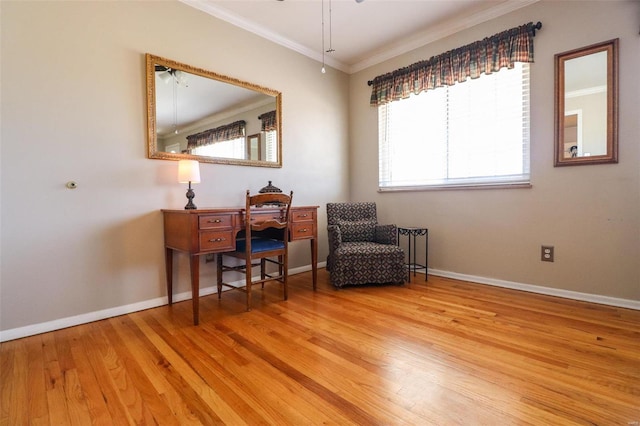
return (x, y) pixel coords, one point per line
(190, 195)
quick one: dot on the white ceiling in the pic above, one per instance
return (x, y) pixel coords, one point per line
(362, 34)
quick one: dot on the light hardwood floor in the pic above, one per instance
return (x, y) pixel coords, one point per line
(444, 352)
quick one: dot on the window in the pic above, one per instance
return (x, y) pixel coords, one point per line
(237, 148)
(232, 148)
(271, 141)
(474, 133)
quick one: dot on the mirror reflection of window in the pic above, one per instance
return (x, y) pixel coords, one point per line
(234, 148)
(271, 145)
(173, 148)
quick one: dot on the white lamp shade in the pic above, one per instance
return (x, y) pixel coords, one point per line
(188, 171)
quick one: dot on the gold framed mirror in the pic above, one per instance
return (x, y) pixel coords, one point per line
(586, 105)
(201, 115)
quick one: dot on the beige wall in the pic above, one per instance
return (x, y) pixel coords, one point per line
(73, 108)
(591, 214)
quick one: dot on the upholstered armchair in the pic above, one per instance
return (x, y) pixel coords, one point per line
(361, 251)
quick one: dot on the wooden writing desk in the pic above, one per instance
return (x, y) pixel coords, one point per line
(204, 231)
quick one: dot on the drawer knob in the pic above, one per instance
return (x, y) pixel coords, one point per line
(304, 215)
(215, 221)
(303, 230)
(217, 240)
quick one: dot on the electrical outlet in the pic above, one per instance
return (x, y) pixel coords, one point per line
(546, 253)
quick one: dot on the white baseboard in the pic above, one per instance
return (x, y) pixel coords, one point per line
(567, 294)
(30, 330)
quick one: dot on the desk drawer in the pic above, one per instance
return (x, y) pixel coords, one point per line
(214, 221)
(217, 240)
(303, 215)
(302, 231)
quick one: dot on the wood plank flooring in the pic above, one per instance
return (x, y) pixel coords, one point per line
(444, 352)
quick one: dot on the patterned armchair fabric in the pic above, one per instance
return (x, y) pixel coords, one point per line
(360, 250)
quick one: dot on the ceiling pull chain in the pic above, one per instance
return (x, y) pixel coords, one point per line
(331, 49)
(175, 104)
(323, 69)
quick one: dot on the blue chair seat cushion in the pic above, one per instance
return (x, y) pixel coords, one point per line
(259, 245)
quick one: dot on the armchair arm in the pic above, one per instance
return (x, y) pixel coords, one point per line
(335, 238)
(387, 234)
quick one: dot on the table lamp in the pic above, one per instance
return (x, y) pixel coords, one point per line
(189, 171)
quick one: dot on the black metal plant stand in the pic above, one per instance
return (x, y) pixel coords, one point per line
(412, 233)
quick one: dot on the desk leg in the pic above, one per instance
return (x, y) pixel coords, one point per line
(219, 273)
(314, 262)
(195, 287)
(168, 263)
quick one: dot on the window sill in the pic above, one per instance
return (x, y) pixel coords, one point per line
(518, 185)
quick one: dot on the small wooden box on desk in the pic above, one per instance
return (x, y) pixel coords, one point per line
(203, 231)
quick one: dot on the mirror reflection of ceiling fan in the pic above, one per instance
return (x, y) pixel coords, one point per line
(166, 74)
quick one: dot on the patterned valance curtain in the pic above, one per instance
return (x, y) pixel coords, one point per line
(269, 121)
(219, 134)
(483, 56)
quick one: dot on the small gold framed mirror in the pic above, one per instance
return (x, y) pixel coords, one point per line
(586, 105)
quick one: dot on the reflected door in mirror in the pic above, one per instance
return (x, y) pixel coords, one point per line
(254, 147)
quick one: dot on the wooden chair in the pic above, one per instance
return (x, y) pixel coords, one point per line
(265, 238)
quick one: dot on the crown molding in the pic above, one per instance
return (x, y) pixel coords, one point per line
(585, 92)
(239, 21)
(400, 47)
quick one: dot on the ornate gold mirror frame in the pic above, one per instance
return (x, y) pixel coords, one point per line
(203, 101)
